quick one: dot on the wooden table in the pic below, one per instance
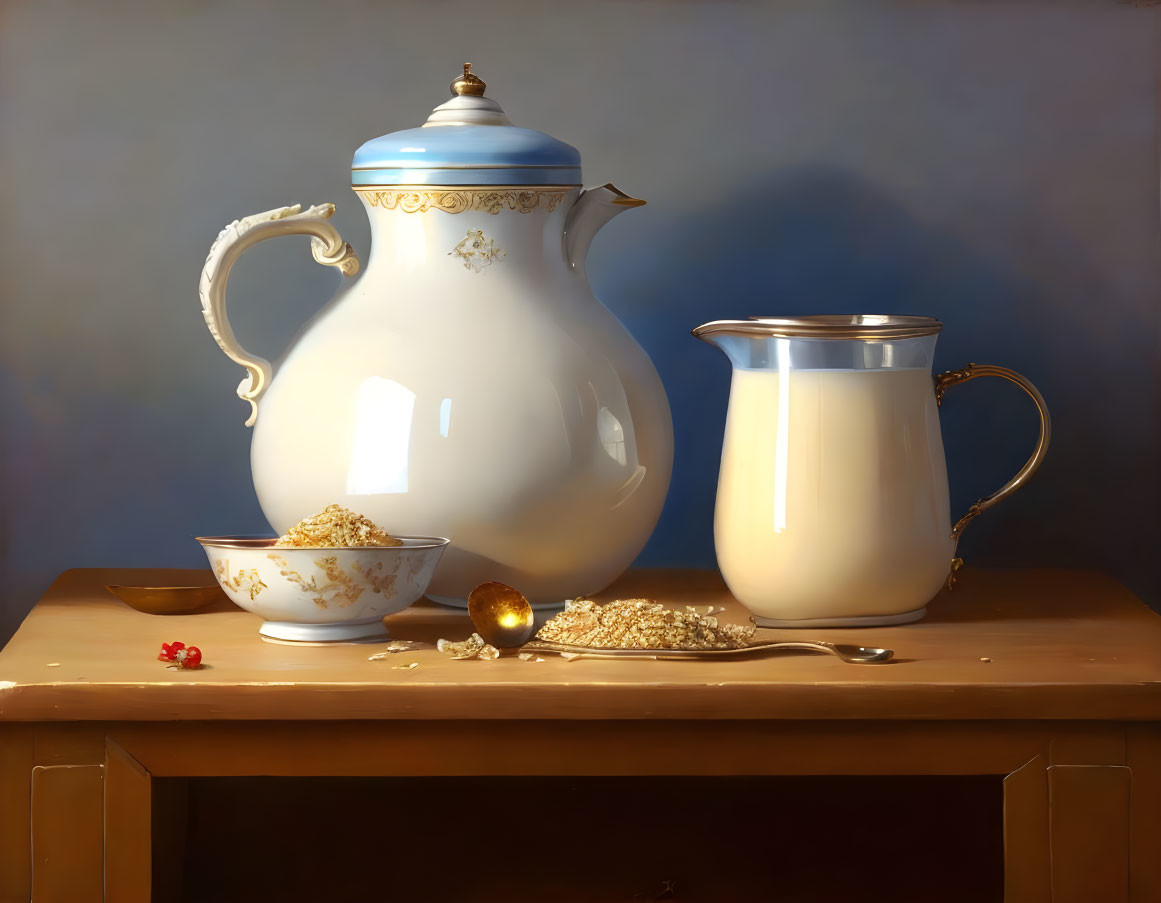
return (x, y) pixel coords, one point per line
(1051, 679)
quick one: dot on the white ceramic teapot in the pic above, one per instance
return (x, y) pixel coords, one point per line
(467, 384)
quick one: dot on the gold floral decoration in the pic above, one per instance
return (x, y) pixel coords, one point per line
(247, 581)
(338, 587)
(477, 251)
(379, 582)
(487, 200)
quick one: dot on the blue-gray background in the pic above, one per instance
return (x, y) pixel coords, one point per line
(991, 164)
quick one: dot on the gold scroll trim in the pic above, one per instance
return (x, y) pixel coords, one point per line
(487, 200)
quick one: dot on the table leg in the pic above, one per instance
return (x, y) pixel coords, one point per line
(16, 762)
(1027, 850)
(1089, 827)
(76, 818)
(128, 827)
(51, 814)
(1144, 760)
(67, 846)
(1082, 822)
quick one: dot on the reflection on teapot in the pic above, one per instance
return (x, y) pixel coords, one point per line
(832, 505)
(467, 384)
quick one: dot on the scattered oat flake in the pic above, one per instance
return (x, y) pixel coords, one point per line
(473, 647)
(53, 665)
(985, 659)
(529, 657)
(392, 649)
(335, 527)
(407, 667)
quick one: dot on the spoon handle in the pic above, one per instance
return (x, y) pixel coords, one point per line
(857, 655)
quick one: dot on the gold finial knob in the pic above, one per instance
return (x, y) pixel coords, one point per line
(468, 83)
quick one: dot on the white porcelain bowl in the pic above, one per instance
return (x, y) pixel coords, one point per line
(321, 595)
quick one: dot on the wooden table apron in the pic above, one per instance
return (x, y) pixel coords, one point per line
(1082, 789)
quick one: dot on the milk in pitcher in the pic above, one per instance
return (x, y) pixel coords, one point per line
(832, 499)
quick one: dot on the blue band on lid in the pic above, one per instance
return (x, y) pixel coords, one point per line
(466, 141)
(565, 177)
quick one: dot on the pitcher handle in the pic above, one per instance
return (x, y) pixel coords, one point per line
(326, 245)
(973, 371)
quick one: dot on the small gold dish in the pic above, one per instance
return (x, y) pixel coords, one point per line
(168, 600)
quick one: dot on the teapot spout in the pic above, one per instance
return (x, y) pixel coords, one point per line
(592, 209)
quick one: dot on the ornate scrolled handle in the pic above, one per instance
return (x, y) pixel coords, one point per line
(943, 382)
(326, 245)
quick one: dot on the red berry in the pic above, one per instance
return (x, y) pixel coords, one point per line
(180, 654)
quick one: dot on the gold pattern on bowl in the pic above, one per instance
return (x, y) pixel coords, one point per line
(339, 588)
(246, 581)
(168, 600)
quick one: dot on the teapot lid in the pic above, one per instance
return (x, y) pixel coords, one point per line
(466, 141)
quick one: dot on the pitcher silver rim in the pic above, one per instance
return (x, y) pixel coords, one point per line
(826, 326)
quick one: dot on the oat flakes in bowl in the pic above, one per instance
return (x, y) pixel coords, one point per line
(332, 577)
(335, 527)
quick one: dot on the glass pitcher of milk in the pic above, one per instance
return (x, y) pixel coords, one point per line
(832, 505)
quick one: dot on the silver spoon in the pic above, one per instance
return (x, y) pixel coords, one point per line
(503, 617)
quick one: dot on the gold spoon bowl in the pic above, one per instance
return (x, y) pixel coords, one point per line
(501, 615)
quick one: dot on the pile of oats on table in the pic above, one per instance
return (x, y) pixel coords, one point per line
(335, 527)
(640, 624)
